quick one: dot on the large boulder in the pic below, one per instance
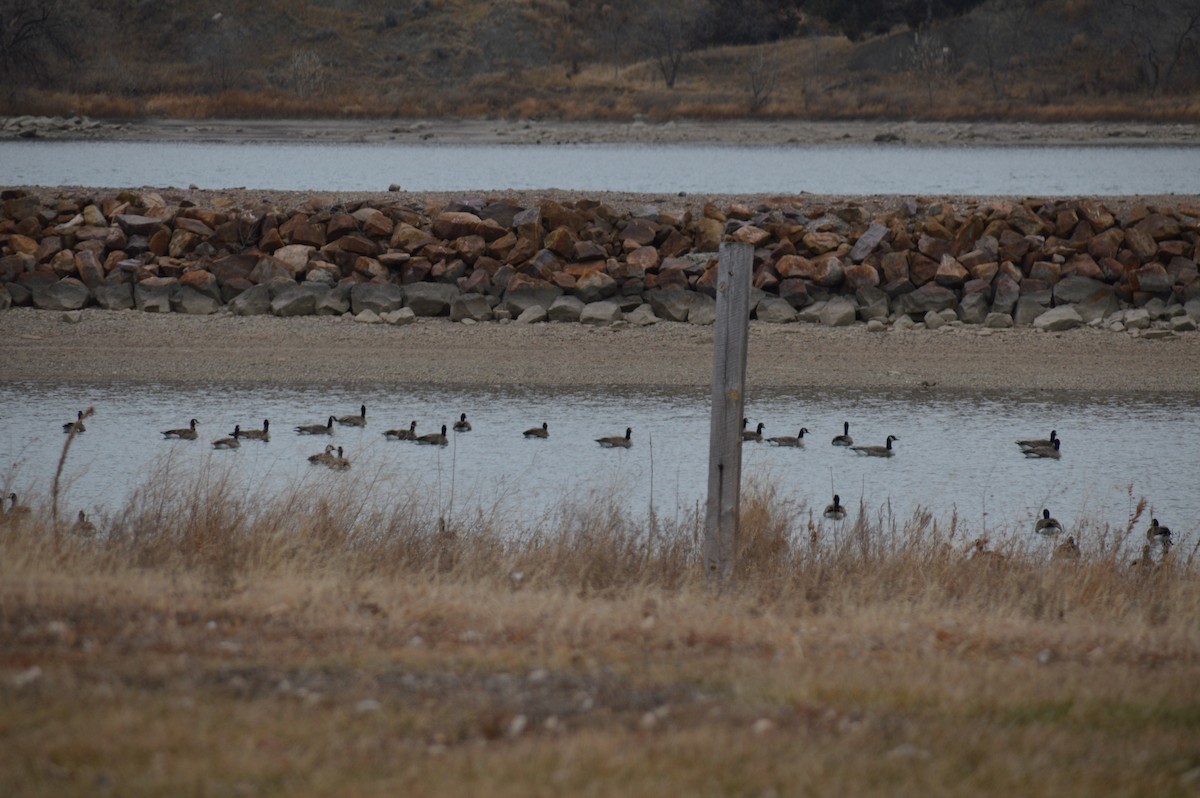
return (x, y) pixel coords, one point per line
(431, 299)
(867, 242)
(153, 295)
(838, 312)
(1074, 289)
(671, 304)
(594, 286)
(524, 293)
(599, 313)
(1064, 317)
(929, 296)
(66, 294)
(566, 308)
(703, 310)
(254, 301)
(295, 301)
(5, 298)
(472, 306)
(774, 310)
(379, 297)
(332, 302)
(974, 308)
(641, 316)
(194, 302)
(872, 304)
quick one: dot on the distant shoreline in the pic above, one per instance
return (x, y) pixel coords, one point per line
(553, 132)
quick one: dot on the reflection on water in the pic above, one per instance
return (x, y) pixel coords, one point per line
(955, 454)
(858, 169)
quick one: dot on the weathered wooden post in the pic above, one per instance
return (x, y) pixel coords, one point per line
(728, 391)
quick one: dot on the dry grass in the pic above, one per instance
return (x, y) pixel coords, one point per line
(212, 641)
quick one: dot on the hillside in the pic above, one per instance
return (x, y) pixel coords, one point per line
(1053, 60)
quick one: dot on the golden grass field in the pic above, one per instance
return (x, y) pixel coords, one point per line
(210, 641)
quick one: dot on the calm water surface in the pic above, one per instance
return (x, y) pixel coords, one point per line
(955, 453)
(667, 169)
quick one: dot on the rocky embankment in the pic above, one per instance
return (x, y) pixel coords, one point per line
(1053, 264)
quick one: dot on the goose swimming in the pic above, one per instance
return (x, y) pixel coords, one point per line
(263, 434)
(538, 432)
(1043, 442)
(844, 439)
(434, 438)
(462, 425)
(1047, 525)
(877, 451)
(76, 425)
(1157, 533)
(230, 442)
(755, 436)
(324, 457)
(355, 421)
(789, 441)
(616, 441)
(409, 434)
(836, 511)
(187, 433)
(317, 429)
(1051, 452)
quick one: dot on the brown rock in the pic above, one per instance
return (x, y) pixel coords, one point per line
(65, 263)
(895, 266)
(921, 270)
(984, 271)
(159, 242)
(709, 232)
(1106, 244)
(1081, 266)
(1159, 227)
(821, 243)
(88, 267)
(268, 269)
(861, 275)
(640, 231)
(22, 245)
(794, 266)
(409, 238)
(749, 234)
(643, 259)
(1140, 244)
(193, 226)
(182, 242)
(374, 223)
(560, 241)
(950, 273)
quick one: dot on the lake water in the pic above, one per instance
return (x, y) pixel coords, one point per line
(955, 453)
(654, 169)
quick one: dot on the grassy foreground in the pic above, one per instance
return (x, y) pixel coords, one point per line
(207, 641)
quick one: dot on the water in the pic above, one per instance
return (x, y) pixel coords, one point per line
(955, 452)
(825, 169)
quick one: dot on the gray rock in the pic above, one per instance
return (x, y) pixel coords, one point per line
(379, 297)
(369, 316)
(1064, 317)
(1157, 309)
(1183, 324)
(703, 310)
(641, 316)
(974, 308)
(1007, 291)
(867, 242)
(333, 302)
(151, 297)
(930, 296)
(1098, 305)
(903, 322)
(5, 298)
(254, 301)
(598, 313)
(67, 294)
(671, 304)
(594, 287)
(72, 316)
(872, 304)
(1192, 308)
(933, 320)
(472, 306)
(1157, 335)
(114, 297)
(1027, 310)
(397, 318)
(1071, 290)
(774, 310)
(1137, 319)
(294, 302)
(533, 314)
(876, 325)
(519, 299)
(839, 312)
(812, 313)
(194, 303)
(431, 299)
(998, 321)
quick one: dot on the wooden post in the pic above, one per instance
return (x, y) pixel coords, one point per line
(734, 268)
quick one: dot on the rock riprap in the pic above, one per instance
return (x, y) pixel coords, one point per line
(994, 263)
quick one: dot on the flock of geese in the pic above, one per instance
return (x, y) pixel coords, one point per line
(335, 458)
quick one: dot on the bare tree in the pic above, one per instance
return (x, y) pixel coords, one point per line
(670, 30)
(1163, 33)
(763, 75)
(33, 33)
(930, 59)
(1003, 24)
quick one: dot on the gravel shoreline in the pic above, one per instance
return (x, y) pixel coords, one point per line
(109, 347)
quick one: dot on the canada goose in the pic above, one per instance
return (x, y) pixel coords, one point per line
(187, 433)
(323, 457)
(339, 462)
(355, 421)
(409, 434)
(230, 442)
(1047, 525)
(462, 425)
(755, 436)
(76, 425)
(15, 509)
(1051, 452)
(836, 511)
(317, 429)
(83, 527)
(259, 434)
(538, 432)
(434, 438)
(1157, 533)
(877, 451)
(844, 439)
(1145, 562)
(1067, 550)
(787, 441)
(616, 441)
(1043, 442)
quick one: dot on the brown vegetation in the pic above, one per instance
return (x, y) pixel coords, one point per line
(1053, 60)
(334, 640)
